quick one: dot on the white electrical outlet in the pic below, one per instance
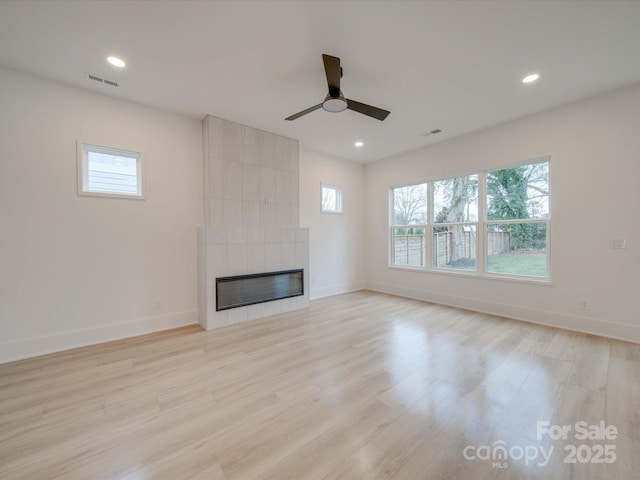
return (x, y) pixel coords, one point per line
(584, 304)
(158, 305)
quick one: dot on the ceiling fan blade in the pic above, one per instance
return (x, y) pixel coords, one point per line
(365, 109)
(304, 112)
(333, 72)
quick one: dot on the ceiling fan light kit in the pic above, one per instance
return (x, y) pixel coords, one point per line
(335, 100)
(334, 104)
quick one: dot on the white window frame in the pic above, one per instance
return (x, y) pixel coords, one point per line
(425, 255)
(83, 149)
(547, 221)
(433, 225)
(481, 228)
(338, 190)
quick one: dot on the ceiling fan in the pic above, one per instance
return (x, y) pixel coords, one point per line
(335, 100)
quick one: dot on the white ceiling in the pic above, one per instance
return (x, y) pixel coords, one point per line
(453, 65)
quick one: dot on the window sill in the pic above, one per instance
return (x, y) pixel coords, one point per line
(111, 195)
(476, 275)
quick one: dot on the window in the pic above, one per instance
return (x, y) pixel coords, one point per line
(409, 221)
(517, 220)
(493, 223)
(104, 171)
(455, 223)
(331, 199)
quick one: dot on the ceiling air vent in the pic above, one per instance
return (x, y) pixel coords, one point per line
(99, 79)
(432, 132)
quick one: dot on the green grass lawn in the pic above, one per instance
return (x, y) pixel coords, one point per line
(532, 265)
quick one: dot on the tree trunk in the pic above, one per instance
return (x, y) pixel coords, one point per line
(459, 193)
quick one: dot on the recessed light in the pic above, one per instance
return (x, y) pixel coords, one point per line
(359, 144)
(531, 78)
(116, 62)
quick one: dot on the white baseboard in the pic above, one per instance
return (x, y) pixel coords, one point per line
(335, 290)
(31, 347)
(619, 331)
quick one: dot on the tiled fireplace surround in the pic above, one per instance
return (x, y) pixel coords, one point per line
(251, 199)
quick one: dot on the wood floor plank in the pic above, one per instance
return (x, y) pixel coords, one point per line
(366, 462)
(579, 404)
(317, 458)
(622, 401)
(211, 473)
(627, 462)
(591, 364)
(625, 351)
(537, 399)
(564, 345)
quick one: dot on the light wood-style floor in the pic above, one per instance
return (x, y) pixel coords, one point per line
(358, 386)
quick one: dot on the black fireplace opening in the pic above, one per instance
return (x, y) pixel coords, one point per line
(243, 290)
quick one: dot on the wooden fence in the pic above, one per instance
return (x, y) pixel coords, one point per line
(444, 247)
(410, 249)
(498, 242)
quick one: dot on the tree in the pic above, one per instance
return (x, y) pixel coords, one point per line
(520, 193)
(410, 205)
(455, 195)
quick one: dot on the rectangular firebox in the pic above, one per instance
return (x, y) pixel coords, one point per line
(242, 290)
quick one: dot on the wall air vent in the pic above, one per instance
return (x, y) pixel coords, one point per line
(432, 132)
(99, 79)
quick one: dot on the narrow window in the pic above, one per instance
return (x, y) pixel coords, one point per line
(331, 199)
(409, 225)
(455, 223)
(112, 172)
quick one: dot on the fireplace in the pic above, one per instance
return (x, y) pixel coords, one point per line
(242, 290)
(251, 212)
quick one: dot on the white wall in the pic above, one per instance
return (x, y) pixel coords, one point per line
(336, 243)
(595, 172)
(79, 270)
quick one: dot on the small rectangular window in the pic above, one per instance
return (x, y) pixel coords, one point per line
(331, 199)
(112, 172)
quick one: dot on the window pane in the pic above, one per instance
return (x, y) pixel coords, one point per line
(517, 249)
(454, 247)
(518, 193)
(331, 199)
(455, 200)
(410, 205)
(408, 246)
(112, 173)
